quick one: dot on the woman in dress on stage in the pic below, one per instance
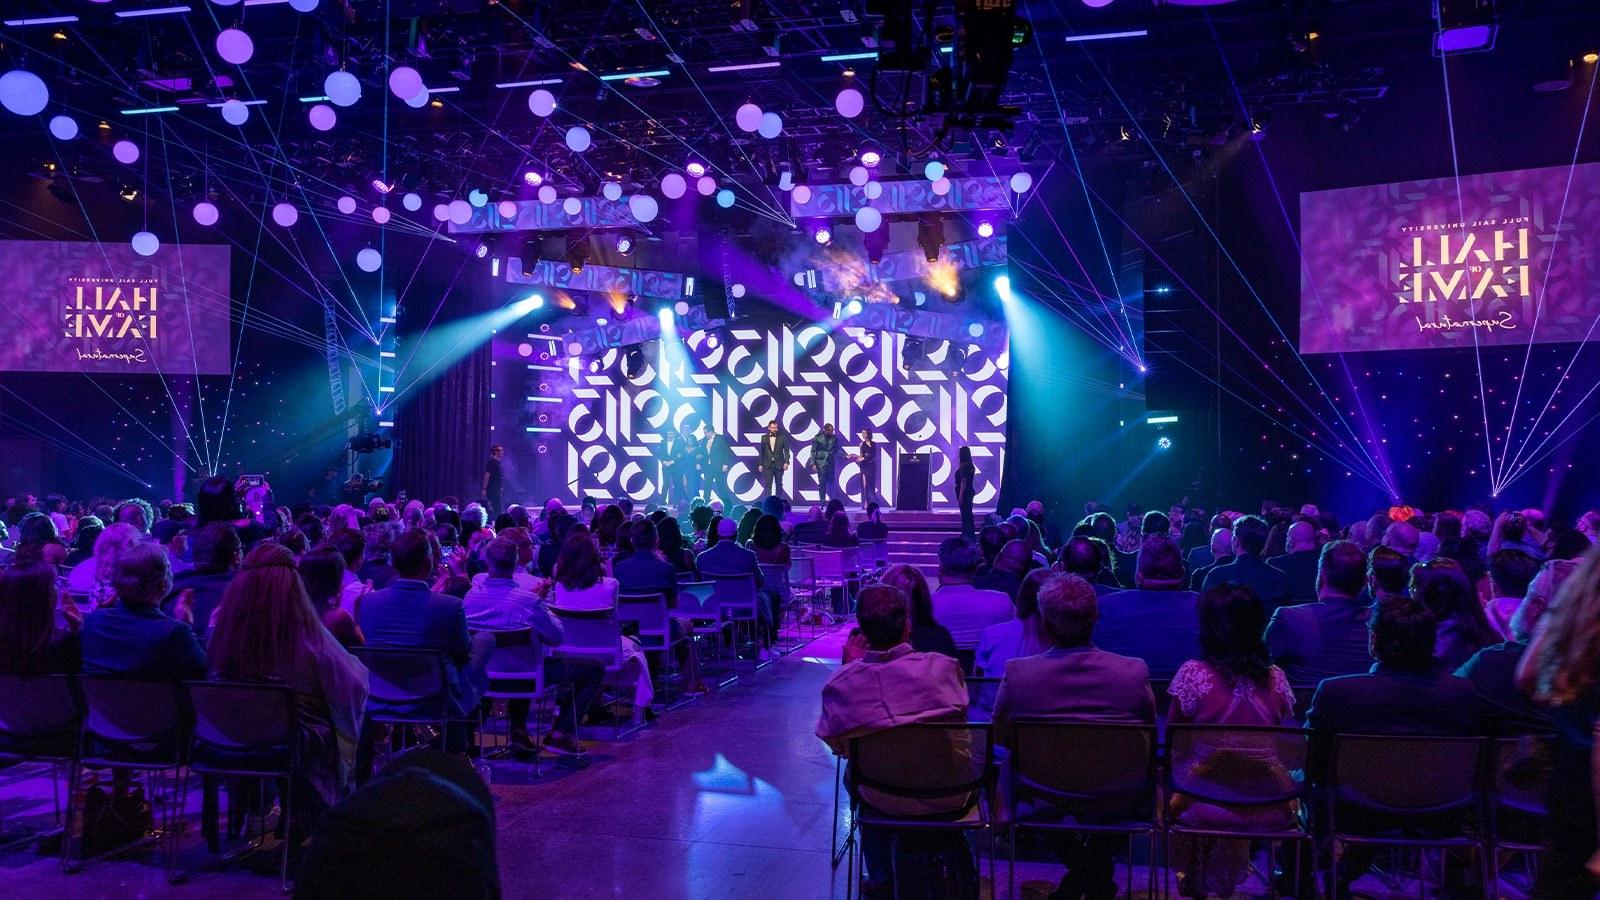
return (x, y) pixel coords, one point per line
(966, 474)
(867, 455)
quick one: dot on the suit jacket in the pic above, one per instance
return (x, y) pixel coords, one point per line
(1081, 683)
(825, 451)
(728, 558)
(811, 531)
(1507, 709)
(1005, 582)
(1199, 558)
(1384, 701)
(1159, 627)
(1197, 577)
(646, 573)
(1271, 585)
(1313, 641)
(140, 641)
(1301, 570)
(377, 571)
(772, 454)
(409, 615)
(208, 590)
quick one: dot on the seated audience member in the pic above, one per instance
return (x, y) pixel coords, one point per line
(1443, 587)
(1313, 641)
(1493, 670)
(174, 538)
(1233, 682)
(268, 630)
(1221, 553)
(1085, 557)
(958, 605)
(424, 827)
(669, 541)
(767, 542)
(375, 568)
(991, 539)
(892, 684)
(927, 635)
(1156, 620)
(89, 529)
(1299, 565)
(839, 532)
(1074, 681)
(351, 545)
(500, 603)
(726, 558)
(132, 636)
(409, 614)
(1403, 538)
(32, 640)
(1021, 636)
(91, 579)
(1570, 544)
(137, 513)
(217, 555)
(1510, 572)
(1248, 567)
(813, 530)
(1512, 531)
(1202, 555)
(560, 528)
(581, 585)
(873, 528)
(1388, 574)
(1047, 532)
(1006, 570)
(747, 525)
(322, 570)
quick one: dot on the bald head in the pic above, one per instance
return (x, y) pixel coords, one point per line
(1014, 557)
(1221, 543)
(1401, 537)
(1302, 537)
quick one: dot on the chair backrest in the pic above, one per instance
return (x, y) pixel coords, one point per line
(874, 553)
(650, 617)
(38, 705)
(736, 595)
(593, 634)
(1082, 761)
(775, 576)
(698, 600)
(412, 681)
(1405, 775)
(1522, 770)
(980, 698)
(241, 716)
(132, 710)
(802, 569)
(951, 759)
(516, 656)
(836, 564)
(1236, 765)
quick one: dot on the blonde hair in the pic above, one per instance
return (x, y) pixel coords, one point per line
(1569, 659)
(111, 545)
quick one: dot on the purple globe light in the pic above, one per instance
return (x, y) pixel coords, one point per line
(347, 205)
(285, 214)
(322, 117)
(235, 46)
(126, 152)
(205, 213)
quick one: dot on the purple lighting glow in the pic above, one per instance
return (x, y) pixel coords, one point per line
(380, 187)
(871, 158)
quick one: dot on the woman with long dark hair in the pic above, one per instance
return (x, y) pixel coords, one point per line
(1464, 629)
(322, 570)
(669, 542)
(1233, 682)
(767, 541)
(581, 585)
(966, 480)
(31, 640)
(927, 635)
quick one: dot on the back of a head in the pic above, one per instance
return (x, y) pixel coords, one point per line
(1511, 571)
(411, 554)
(1081, 556)
(1390, 572)
(112, 544)
(1513, 526)
(500, 556)
(217, 502)
(1027, 602)
(1403, 634)
(1155, 522)
(1221, 542)
(884, 614)
(957, 557)
(322, 569)
(834, 507)
(1443, 587)
(1232, 620)
(1068, 609)
(839, 525)
(914, 585)
(1402, 537)
(1447, 526)
(1250, 534)
(1160, 564)
(27, 617)
(142, 575)
(990, 540)
(1015, 557)
(1342, 568)
(768, 532)
(642, 535)
(1302, 537)
(351, 544)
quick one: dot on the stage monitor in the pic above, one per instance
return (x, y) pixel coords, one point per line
(1508, 257)
(103, 309)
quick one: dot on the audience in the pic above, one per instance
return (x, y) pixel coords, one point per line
(872, 529)
(91, 579)
(839, 532)
(1006, 569)
(1156, 620)
(1220, 554)
(1463, 629)
(1248, 567)
(1510, 572)
(961, 607)
(1313, 641)
(32, 640)
(927, 635)
(1299, 564)
(217, 555)
(131, 635)
(322, 569)
(1020, 636)
(727, 559)
(1087, 558)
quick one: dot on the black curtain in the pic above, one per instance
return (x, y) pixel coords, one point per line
(441, 425)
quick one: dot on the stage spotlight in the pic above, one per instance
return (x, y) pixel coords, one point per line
(875, 242)
(624, 245)
(532, 178)
(955, 359)
(367, 442)
(666, 317)
(1591, 57)
(1465, 26)
(1163, 443)
(853, 308)
(128, 192)
(930, 236)
(528, 304)
(822, 234)
(578, 252)
(481, 250)
(1002, 287)
(985, 229)
(696, 169)
(381, 187)
(871, 158)
(633, 362)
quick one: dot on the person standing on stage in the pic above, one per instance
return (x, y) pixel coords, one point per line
(825, 453)
(772, 458)
(677, 467)
(966, 487)
(711, 460)
(868, 457)
(494, 482)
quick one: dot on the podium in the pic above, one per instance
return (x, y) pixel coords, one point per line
(911, 488)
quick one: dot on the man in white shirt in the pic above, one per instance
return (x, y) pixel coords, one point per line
(963, 609)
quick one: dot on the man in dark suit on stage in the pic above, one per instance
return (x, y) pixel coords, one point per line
(825, 453)
(677, 468)
(772, 457)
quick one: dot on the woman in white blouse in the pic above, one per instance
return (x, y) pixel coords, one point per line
(582, 586)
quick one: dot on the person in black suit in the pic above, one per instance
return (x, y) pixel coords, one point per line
(677, 468)
(1157, 621)
(1328, 638)
(1248, 568)
(1299, 565)
(1404, 694)
(825, 454)
(772, 458)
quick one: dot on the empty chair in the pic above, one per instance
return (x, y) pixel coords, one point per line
(649, 619)
(837, 570)
(739, 599)
(1518, 806)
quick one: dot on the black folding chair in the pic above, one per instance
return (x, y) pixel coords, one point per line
(1517, 800)
(407, 689)
(39, 721)
(1407, 792)
(131, 726)
(1083, 778)
(1238, 767)
(248, 731)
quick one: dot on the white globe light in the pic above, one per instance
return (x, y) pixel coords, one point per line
(802, 194)
(285, 214)
(681, 308)
(541, 103)
(303, 5)
(673, 186)
(611, 191)
(1021, 181)
(64, 128)
(460, 212)
(145, 244)
(858, 175)
(706, 185)
(441, 212)
(126, 152)
(342, 88)
(547, 194)
(235, 112)
(771, 125)
(748, 117)
(868, 219)
(381, 215)
(941, 186)
(572, 206)
(975, 329)
(578, 139)
(872, 190)
(508, 209)
(643, 207)
(322, 117)
(725, 198)
(235, 46)
(346, 205)
(934, 170)
(369, 260)
(205, 213)
(226, 2)
(405, 82)
(412, 201)
(477, 198)
(849, 103)
(23, 93)
(737, 290)
(419, 101)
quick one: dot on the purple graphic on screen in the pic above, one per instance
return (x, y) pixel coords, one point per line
(103, 309)
(1421, 265)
